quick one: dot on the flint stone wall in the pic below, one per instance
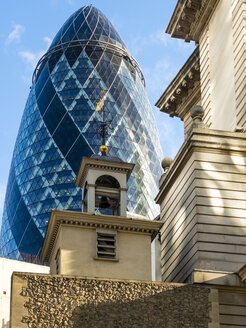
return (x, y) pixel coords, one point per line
(73, 302)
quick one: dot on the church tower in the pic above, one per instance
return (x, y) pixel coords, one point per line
(103, 240)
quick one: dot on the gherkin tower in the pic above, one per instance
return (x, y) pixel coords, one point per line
(59, 127)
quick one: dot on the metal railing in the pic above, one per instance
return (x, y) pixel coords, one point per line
(107, 46)
(23, 257)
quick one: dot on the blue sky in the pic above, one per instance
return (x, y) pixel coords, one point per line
(28, 26)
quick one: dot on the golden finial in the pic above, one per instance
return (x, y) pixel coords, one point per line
(103, 149)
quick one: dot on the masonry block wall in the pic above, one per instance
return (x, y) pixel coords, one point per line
(62, 301)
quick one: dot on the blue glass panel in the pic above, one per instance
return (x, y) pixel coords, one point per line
(72, 54)
(69, 34)
(32, 240)
(80, 149)
(54, 114)
(42, 80)
(84, 33)
(66, 134)
(54, 58)
(79, 20)
(46, 96)
(40, 70)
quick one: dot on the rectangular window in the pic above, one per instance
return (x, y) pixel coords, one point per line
(57, 259)
(106, 245)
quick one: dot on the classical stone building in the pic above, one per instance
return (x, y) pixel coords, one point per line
(202, 192)
(214, 75)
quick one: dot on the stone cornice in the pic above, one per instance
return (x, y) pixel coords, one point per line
(184, 91)
(92, 221)
(205, 141)
(100, 165)
(189, 18)
(242, 273)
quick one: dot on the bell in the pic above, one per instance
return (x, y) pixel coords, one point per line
(104, 203)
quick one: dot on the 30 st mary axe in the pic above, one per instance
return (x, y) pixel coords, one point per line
(59, 126)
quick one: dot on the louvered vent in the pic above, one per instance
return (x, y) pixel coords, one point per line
(106, 245)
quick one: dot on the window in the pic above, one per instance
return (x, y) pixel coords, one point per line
(106, 245)
(57, 259)
(107, 195)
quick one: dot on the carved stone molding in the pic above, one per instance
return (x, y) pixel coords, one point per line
(100, 164)
(189, 18)
(92, 221)
(184, 91)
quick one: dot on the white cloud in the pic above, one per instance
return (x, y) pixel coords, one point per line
(55, 3)
(30, 57)
(15, 34)
(47, 40)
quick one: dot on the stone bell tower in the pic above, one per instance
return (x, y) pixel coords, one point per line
(104, 183)
(100, 241)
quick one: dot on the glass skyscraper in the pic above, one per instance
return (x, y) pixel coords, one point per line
(60, 126)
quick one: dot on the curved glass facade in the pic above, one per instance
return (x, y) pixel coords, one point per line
(60, 126)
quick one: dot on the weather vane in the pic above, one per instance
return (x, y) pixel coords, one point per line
(104, 125)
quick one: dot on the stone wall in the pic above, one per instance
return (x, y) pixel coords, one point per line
(203, 208)
(61, 301)
(217, 68)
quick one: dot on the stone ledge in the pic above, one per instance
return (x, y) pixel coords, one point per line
(205, 141)
(92, 221)
(217, 278)
(189, 18)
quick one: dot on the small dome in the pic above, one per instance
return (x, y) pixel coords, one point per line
(197, 111)
(166, 162)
